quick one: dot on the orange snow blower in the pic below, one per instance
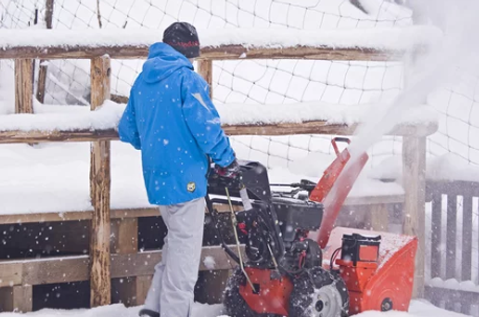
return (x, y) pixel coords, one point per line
(294, 262)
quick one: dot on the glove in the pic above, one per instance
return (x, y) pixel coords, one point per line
(232, 171)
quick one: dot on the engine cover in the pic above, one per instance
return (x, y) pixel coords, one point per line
(295, 214)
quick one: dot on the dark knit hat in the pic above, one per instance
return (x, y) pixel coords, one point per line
(182, 37)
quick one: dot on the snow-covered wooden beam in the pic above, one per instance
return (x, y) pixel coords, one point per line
(79, 124)
(312, 127)
(378, 44)
(226, 52)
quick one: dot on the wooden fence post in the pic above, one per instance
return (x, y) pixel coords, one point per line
(414, 183)
(100, 281)
(24, 85)
(42, 72)
(205, 69)
(214, 281)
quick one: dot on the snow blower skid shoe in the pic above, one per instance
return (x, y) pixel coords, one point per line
(280, 238)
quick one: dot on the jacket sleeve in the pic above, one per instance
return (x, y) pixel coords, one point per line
(204, 122)
(127, 128)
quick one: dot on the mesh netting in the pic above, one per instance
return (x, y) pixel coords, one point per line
(257, 81)
(458, 106)
(261, 81)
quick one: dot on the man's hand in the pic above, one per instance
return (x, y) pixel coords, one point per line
(232, 171)
(230, 174)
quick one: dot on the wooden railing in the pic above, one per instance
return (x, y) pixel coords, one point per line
(443, 261)
(103, 266)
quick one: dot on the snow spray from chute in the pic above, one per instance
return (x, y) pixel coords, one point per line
(457, 49)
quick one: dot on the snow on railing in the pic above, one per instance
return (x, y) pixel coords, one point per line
(366, 44)
(237, 119)
(454, 284)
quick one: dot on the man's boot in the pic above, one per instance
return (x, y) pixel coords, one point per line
(148, 313)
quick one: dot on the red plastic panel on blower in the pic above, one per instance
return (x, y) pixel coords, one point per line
(382, 285)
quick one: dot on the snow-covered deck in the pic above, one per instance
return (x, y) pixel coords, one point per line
(53, 179)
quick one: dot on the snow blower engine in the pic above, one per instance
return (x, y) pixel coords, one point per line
(291, 259)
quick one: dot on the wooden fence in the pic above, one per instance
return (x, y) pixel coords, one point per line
(101, 265)
(445, 197)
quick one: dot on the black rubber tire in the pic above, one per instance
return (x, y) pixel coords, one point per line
(305, 285)
(233, 302)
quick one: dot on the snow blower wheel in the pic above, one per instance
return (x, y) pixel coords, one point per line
(319, 293)
(233, 302)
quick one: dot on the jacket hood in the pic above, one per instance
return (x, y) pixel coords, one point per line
(163, 60)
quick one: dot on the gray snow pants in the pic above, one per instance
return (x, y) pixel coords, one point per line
(171, 290)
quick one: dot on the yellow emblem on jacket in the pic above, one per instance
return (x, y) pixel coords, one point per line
(191, 187)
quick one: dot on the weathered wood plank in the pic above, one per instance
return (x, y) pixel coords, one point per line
(124, 234)
(457, 188)
(10, 276)
(312, 127)
(6, 299)
(22, 298)
(141, 288)
(224, 52)
(76, 268)
(451, 240)
(124, 240)
(42, 72)
(436, 234)
(414, 183)
(16, 136)
(466, 261)
(100, 280)
(16, 298)
(76, 215)
(451, 236)
(205, 69)
(380, 217)
(23, 85)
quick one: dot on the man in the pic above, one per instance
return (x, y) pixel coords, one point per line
(171, 119)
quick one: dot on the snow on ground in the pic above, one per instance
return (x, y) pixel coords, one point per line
(417, 309)
(118, 310)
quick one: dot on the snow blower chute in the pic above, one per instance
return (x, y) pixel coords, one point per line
(294, 262)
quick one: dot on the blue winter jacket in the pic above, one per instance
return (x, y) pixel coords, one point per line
(171, 119)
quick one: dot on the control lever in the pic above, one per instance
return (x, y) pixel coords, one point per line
(304, 184)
